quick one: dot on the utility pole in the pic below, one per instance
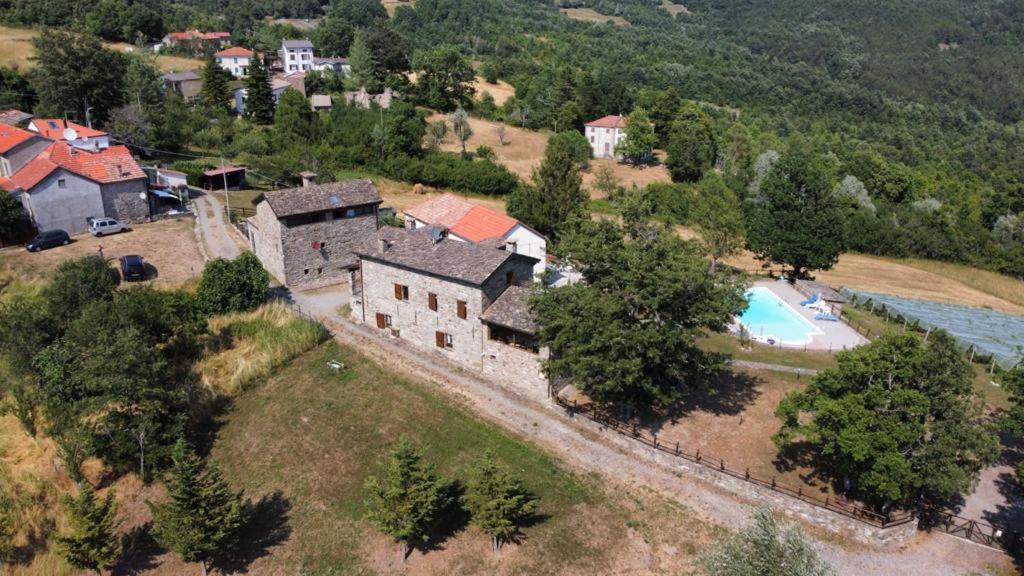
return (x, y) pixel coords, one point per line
(88, 117)
(227, 198)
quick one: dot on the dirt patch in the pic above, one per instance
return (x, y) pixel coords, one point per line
(392, 5)
(673, 9)
(591, 15)
(626, 174)
(169, 246)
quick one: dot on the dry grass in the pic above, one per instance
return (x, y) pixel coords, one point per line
(254, 344)
(674, 9)
(524, 149)
(16, 51)
(168, 245)
(392, 5)
(501, 91)
(591, 15)
(626, 174)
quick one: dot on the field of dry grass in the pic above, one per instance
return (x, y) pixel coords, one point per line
(673, 8)
(523, 150)
(16, 51)
(591, 15)
(626, 174)
(391, 5)
(501, 91)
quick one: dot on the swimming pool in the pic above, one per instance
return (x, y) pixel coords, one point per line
(768, 317)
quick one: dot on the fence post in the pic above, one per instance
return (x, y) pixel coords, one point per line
(746, 474)
(826, 500)
(677, 448)
(800, 492)
(773, 482)
(721, 465)
(698, 455)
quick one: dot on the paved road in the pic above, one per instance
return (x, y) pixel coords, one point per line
(211, 230)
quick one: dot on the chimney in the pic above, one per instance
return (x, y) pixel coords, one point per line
(308, 179)
(511, 246)
(384, 245)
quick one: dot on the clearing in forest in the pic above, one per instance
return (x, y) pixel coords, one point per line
(591, 15)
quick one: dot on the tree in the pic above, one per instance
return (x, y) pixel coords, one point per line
(765, 548)
(11, 211)
(233, 285)
(259, 97)
(718, 215)
(627, 333)
(461, 127)
(75, 284)
(557, 199)
(1013, 420)
(167, 129)
(897, 421)
(796, 220)
(664, 107)
(406, 499)
(437, 131)
(9, 518)
(577, 144)
(333, 37)
(497, 501)
(129, 125)
(443, 78)
(106, 20)
(203, 517)
(294, 121)
(638, 145)
(75, 73)
(142, 84)
(691, 144)
(379, 57)
(92, 543)
(215, 93)
(359, 13)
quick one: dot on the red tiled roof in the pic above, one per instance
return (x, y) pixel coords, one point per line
(445, 210)
(482, 223)
(216, 35)
(34, 171)
(234, 51)
(11, 137)
(53, 128)
(609, 122)
(114, 164)
(181, 35)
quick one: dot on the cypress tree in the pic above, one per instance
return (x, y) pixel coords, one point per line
(92, 544)
(497, 500)
(215, 92)
(259, 98)
(557, 197)
(203, 516)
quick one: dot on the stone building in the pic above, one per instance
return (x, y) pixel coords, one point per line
(305, 237)
(465, 301)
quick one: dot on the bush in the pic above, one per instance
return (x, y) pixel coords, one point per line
(485, 152)
(446, 171)
(233, 285)
(193, 170)
(77, 283)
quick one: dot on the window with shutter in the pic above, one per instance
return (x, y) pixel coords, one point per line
(439, 338)
(432, 301)
(401, 292)
(462, 309)
(380, 321)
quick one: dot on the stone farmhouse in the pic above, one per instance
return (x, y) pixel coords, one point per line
(605, 134)
(471, 222)
(235, 60)
(465, 301)
(305, 236)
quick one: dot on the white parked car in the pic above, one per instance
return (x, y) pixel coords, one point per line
(104, 226)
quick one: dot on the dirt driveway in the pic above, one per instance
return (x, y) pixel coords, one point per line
(169, 246)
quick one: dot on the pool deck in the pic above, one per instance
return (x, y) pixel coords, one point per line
(834, 335)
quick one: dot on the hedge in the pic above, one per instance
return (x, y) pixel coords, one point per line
(446, 171)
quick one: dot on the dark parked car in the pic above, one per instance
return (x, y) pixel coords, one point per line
(48, 239)
(133, 267)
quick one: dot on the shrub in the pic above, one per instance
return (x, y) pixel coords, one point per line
(193, 170)
(233, 285)
(446, 171)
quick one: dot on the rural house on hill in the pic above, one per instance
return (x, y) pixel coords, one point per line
(471, 222)
(466, 301)
(235, 60)
(74, 134)
(17, 148)
(605, 134)
(305, 236)
(296, 55)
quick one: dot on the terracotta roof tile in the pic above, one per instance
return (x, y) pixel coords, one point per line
(11, 137)
(53, 128)
(114, 164)
(445, 210)
(611, 121)
(34, 171)
(482, 223)
(234, 51)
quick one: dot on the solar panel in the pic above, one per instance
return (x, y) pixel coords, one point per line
(333, 200)
(52, 124)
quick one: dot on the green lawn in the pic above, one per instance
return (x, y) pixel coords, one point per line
(316, 436)
(727, 343)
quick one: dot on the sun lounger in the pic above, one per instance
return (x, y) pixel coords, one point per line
(826, 316)
(812, 300)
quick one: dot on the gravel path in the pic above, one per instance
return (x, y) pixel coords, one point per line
(214, 237)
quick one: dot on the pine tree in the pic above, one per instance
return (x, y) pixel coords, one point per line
(203, 516)
(497, 500)
(92, 543)
(364, 66)
(215, 92)
(406, 499)
(294, 121)
(557, 197)
(259, 97)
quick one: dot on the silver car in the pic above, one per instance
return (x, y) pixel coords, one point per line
(104, 226)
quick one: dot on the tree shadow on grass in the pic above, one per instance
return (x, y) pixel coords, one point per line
(802, 455)
(140, 552)
(450, 523)
(267, 525)
(724, 394)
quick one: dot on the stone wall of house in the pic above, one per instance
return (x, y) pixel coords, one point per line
(515, 367)
(265, 240)
(306, 267)
(413, 318)
(127, 201)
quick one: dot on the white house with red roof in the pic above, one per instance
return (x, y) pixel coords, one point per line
(605, 134)
(74, 134)
(235, 60)
(469, 222)
(63, 186)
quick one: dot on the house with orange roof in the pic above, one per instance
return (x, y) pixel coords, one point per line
(468, 222)
(17, 148)
(79, 136)
(235, 60)
(195, 41)
(63, 186)
(605, 135)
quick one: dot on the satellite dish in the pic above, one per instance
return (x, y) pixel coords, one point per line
(70, 134)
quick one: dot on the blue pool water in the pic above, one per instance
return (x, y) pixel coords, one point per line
(769, 317)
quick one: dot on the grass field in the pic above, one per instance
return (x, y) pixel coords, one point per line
(673, 8)
(316, 435)
(591, 15)
(16, 51)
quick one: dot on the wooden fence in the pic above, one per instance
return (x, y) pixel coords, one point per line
(835, 504)
(973, 530)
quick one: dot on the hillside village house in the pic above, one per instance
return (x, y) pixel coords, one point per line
(467, 302)
(81, 137)
(339, 66)
(296, 55)
(277, 88)
(185, 84)
(470, 222)
(605, 134)
(235, 60)
(306, 236)
(61, 187)
(363, 99)
(195, 41)
(17, 148)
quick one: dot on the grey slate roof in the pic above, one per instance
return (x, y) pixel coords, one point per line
(297, 44)
(320, 197)
(180, 76)
(417, 250)
(512, 310)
